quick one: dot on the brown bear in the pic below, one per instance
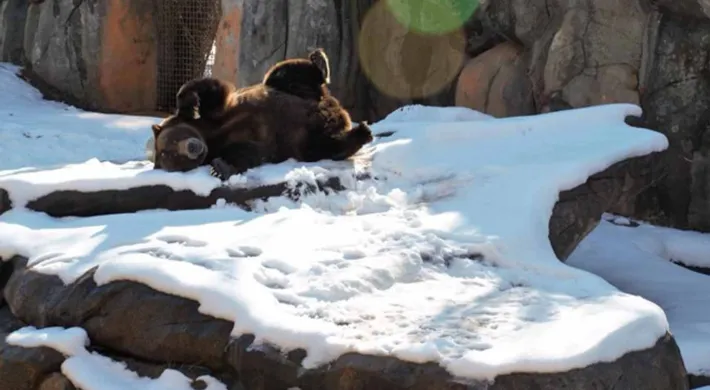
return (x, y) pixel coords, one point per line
(238, 129)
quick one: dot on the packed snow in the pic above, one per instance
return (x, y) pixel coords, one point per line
(91, 371)
(442, 256)
(637, 260)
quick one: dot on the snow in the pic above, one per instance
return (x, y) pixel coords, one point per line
(443, 256)
(637, 260)
(36, 132)
(91, 371)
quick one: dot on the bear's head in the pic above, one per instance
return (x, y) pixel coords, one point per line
(178, 145)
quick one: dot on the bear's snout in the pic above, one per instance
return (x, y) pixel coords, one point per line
(192, 148)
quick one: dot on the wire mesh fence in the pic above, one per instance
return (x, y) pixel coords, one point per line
(186, 33)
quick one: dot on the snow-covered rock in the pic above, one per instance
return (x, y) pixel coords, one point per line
(439, 266)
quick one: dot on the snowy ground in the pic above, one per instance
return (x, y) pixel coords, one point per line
(637, 260)
(389, 266)
(37, 133)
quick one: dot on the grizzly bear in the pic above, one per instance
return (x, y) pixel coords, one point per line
(238, 129)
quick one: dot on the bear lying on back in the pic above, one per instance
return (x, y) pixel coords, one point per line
(252, 126)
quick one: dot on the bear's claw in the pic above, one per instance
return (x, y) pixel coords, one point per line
(220, 169)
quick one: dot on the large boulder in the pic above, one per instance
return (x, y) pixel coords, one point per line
(99, 55)
(495, 83)
(573, 54)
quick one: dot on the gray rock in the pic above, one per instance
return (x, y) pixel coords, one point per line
(12, 30)
(692, 9)
(677, 102)
(23, 368)
(62, 46)
(657, 368)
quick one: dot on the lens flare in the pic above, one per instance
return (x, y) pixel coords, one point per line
(405, 63)
(432, 16)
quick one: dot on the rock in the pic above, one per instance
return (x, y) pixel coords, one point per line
(614, 190)
(584, 67)
(152, 369)
(83, 48)
(13, 14)
(652, 54)
(698, 381)
(677, 102)
(657, 368)
(56, 381)
(5, 272)
(23, 368)
(496, 83)
(38, 368)
(85, 204)
(479, 36)
(172, 329)
(691, 9)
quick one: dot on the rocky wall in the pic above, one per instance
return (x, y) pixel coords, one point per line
(533, 56)
(99, 55)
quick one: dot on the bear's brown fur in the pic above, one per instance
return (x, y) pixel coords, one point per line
(304, 77)
(252, 126)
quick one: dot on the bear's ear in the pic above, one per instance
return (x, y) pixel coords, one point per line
(156, 130)
(321, 61)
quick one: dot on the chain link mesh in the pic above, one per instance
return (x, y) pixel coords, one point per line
(186, 33)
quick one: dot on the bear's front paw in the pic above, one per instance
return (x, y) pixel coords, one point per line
(363, 132)
(220, 169)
